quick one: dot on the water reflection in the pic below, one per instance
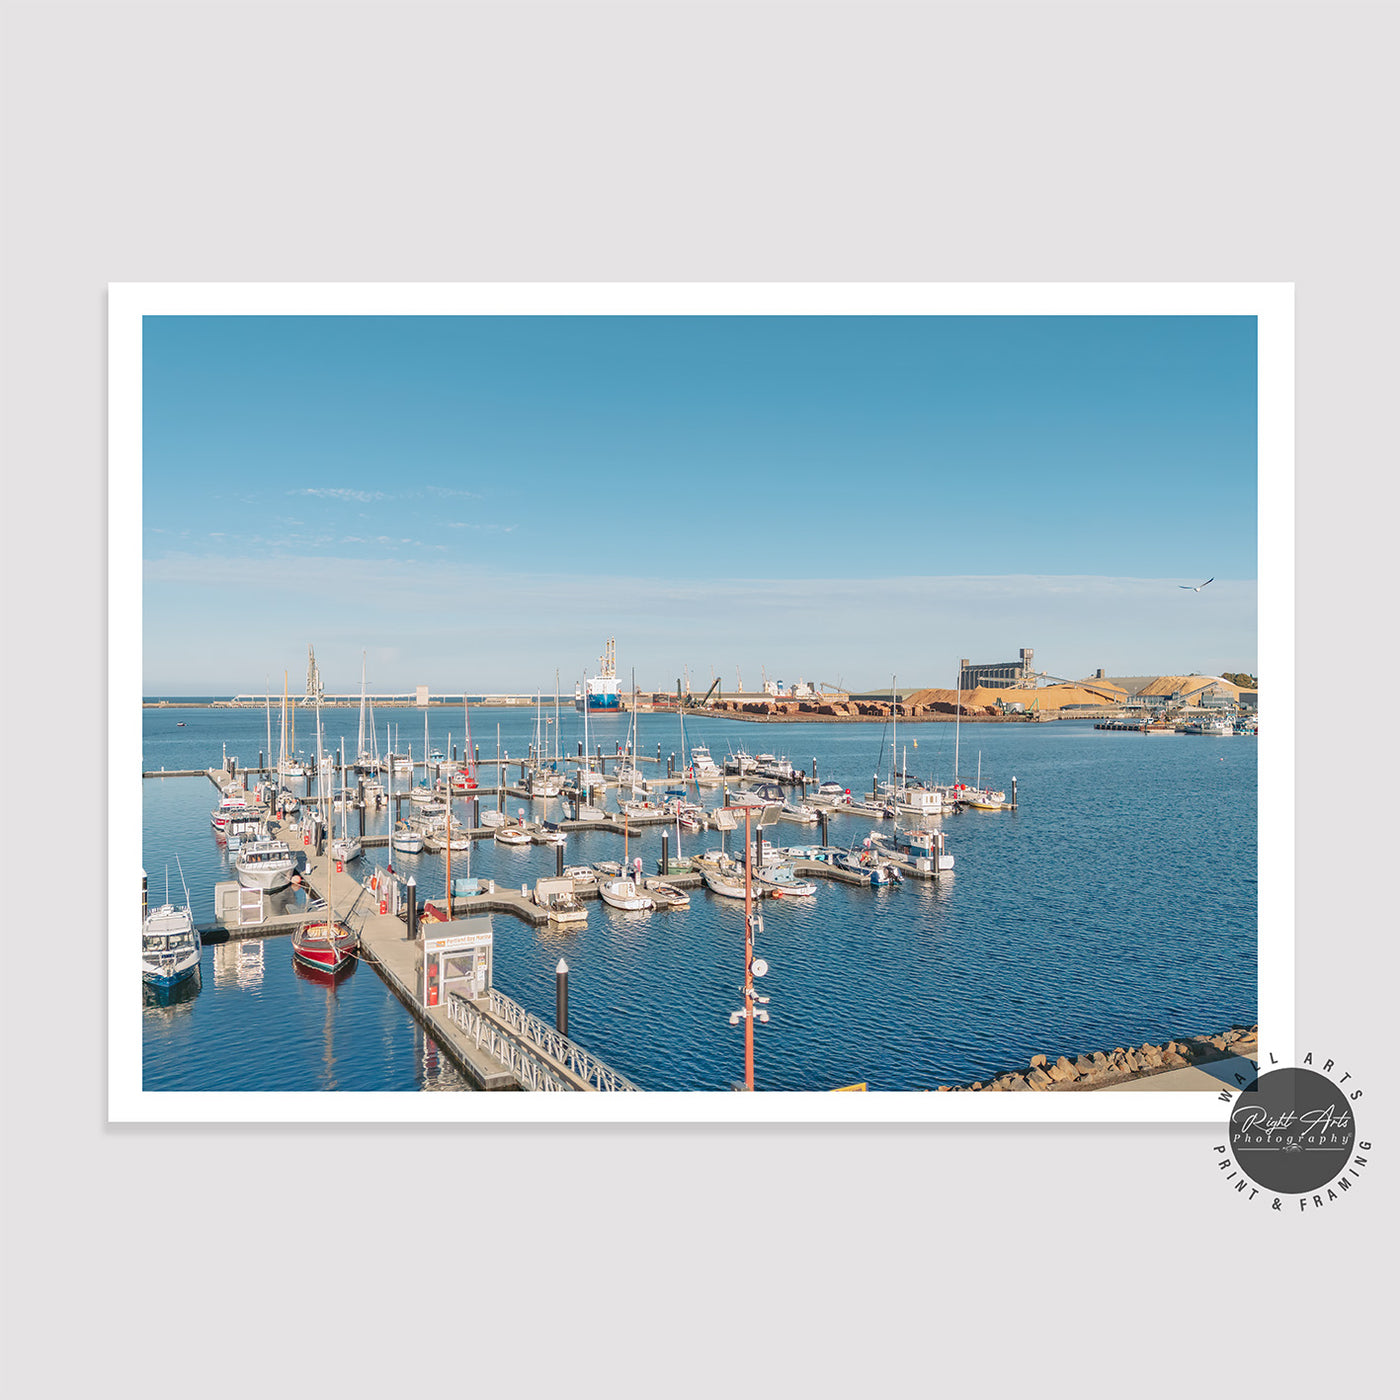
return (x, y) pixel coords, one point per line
(170, 1002)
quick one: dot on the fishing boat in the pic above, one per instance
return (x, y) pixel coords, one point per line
(265, 865)
(916, 843)
(666, 895)
(1215, 728)
(170, 945)
(871, 863)
(323, 945)
(625, 893)
(740, 764)
(564, 907)
(780, 881)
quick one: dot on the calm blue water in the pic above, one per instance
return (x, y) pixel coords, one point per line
(1117, 905)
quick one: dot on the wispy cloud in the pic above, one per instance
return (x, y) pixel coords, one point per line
(340, 493)
(452, 491)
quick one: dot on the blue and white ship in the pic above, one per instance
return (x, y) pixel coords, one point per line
(601, 692)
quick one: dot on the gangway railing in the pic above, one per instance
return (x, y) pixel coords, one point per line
(529, 1070)
(560, 1047)
(520, 1042)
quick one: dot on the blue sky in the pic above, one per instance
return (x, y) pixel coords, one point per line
(479, 501)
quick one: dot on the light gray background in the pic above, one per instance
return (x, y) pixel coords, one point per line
(647, 143)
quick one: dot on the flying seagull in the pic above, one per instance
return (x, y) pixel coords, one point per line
(1198, 587)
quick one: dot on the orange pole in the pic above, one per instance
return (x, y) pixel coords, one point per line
(748, 953)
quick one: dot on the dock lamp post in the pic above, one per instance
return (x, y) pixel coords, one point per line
(753, 1008)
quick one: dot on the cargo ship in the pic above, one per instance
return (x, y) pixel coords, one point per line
(601, 693)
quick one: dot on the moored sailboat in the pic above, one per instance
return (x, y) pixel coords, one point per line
(325, 945)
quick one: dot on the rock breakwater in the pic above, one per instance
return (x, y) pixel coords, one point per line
(1097, 1069)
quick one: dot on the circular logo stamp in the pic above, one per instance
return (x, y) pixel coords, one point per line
(1292, 1130)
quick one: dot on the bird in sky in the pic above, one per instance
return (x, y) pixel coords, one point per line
(1198, 587)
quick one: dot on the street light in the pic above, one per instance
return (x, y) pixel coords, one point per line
(752, 1010)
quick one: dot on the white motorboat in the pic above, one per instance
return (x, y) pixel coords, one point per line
(607, 867)
(740, 764)
(795, 811)
(493, 819)
(625, 893)
(703, 768)
(170, 946)
(830, 795)
(232, 807)
(548, 834)
(779, 769)
(265, 865)
(513, 835)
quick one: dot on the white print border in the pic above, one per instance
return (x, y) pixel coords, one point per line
(128, 303)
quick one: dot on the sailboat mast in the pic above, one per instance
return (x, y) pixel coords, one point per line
(957, 725)
(360, 751)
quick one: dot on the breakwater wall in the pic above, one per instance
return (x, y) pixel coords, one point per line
(1098, 1069)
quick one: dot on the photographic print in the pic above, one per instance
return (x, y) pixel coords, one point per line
(835, 703)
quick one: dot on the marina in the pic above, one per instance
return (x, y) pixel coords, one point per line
(961, 968)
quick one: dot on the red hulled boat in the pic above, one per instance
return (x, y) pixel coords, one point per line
(323, 947)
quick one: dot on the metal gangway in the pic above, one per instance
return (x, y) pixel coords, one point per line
(521, 1042)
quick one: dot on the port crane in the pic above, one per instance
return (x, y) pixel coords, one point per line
(694, 704)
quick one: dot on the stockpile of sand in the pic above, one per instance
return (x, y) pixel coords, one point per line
(1172, 685)
(1050, 697)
